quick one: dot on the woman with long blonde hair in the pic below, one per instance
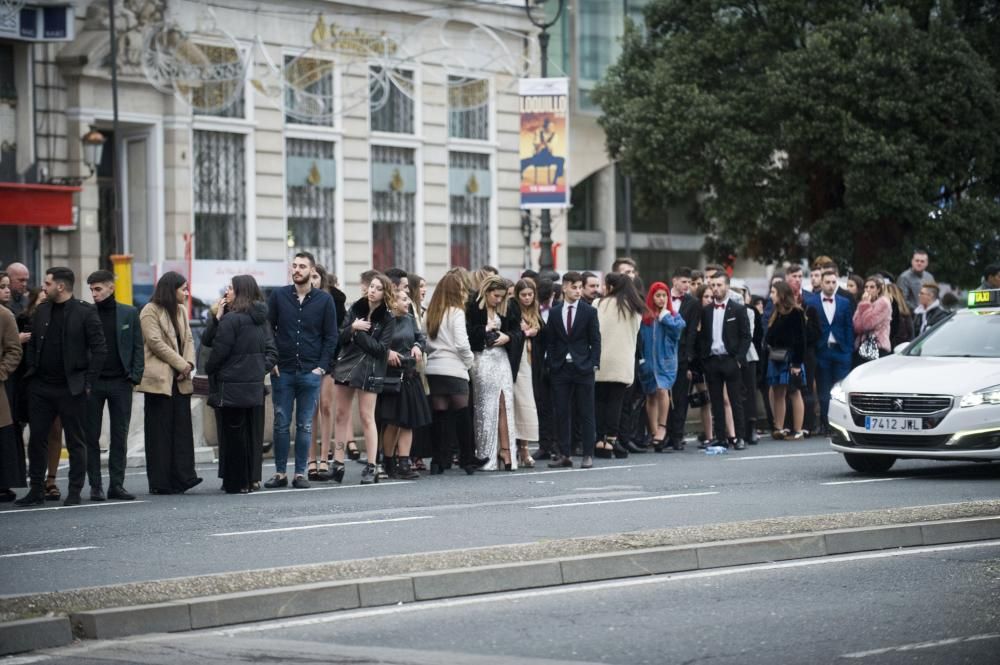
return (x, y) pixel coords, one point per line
(449, 358)
(491, 328)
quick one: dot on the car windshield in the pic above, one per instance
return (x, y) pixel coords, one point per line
(968, 335)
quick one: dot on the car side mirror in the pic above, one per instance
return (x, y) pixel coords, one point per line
(901, 347)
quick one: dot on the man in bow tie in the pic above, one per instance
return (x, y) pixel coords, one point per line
(723, 342)
(836, 341)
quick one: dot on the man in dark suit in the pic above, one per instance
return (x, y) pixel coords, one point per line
(835, 344)
(688, 307)
(573, 352)
(722, 345)
(121, 372)
(64, 356)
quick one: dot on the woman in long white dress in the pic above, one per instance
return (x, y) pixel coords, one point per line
(490, 331)
(527, 353)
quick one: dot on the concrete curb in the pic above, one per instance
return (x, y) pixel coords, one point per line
(34, 634)
(315, 598)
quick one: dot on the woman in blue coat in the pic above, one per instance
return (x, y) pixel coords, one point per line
(660, 332)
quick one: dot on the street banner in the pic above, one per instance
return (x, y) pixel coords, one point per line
(544, 144)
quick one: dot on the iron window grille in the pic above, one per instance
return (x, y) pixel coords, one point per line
(469, 213)
(311, 203)
(391, 100)
(468, 108)
(393, 210)
(220, 196)
(226, 95)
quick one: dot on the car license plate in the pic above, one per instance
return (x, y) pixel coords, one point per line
(893, 424)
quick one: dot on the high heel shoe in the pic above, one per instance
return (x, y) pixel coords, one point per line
(603, 449)
(505, 459)
(524, 457)
(337, 471)
(311, 471)
(619, 451)
(352, 450)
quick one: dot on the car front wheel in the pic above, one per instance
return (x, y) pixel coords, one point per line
(871, 464)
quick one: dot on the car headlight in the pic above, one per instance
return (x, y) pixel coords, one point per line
(837, 393)
(989, 395)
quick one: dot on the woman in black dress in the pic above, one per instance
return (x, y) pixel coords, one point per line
(243, 352)
(402, 406)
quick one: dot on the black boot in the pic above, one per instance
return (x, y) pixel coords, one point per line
(34, 497)
(441, 431)
(403, 470)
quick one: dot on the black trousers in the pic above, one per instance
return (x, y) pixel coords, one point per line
(679, 404)
(573, 399)
(169, 442)
(724, 371)
(117, 394)
(239, 431)
(809, 390)
(46, 403)
(608, 396)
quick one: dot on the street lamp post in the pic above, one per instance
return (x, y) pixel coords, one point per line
(545, 242)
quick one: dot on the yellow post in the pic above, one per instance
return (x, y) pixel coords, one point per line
(122, 264)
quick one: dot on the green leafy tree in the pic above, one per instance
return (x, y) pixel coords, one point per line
(852, 128)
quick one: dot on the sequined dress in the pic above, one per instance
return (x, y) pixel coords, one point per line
(491, 379)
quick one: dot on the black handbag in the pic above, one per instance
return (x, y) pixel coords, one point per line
(777, 355)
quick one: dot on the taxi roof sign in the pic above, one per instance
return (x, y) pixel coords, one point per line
(978, 299)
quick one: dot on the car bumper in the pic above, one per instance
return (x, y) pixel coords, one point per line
(972, 433)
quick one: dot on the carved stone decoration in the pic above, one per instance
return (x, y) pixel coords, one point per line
(132, 18)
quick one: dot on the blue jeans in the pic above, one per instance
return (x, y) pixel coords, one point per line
(298, 389)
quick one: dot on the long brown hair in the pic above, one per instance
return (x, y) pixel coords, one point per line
(532, 315)
(786, 300)
(165, 297)
(492, 283)
(246, 294)
(450, 292)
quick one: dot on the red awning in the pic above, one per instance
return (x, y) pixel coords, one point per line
(36, 205)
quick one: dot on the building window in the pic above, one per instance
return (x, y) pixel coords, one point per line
(394, 207)
(309, 93)
(220, 197)
(311, 181)
(470, 187)
(226, 96)
(391, 105)
(8, 115)
(468, 108)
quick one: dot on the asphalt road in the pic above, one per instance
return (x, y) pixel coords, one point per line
(927, 606)
(205, 531)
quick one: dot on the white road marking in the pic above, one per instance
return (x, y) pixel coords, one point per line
(866, 480)
(590, 588)
(64, 549)
(267, 492)
(25, 660)
(744, 459)
(529, 474)
(324, 526)
(102, 504)
(638, 498)
(923, 645)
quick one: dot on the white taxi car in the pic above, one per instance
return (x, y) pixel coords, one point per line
(938, 398)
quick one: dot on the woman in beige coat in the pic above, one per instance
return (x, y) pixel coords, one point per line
(169, 354)
(12, 467)
(619, 314)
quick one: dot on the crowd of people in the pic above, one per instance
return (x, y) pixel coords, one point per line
(578, 364)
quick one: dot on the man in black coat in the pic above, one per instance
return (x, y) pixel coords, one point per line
(722, 346)
(121, 372)
(64, 356)
(689, 308)
(573, 353)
